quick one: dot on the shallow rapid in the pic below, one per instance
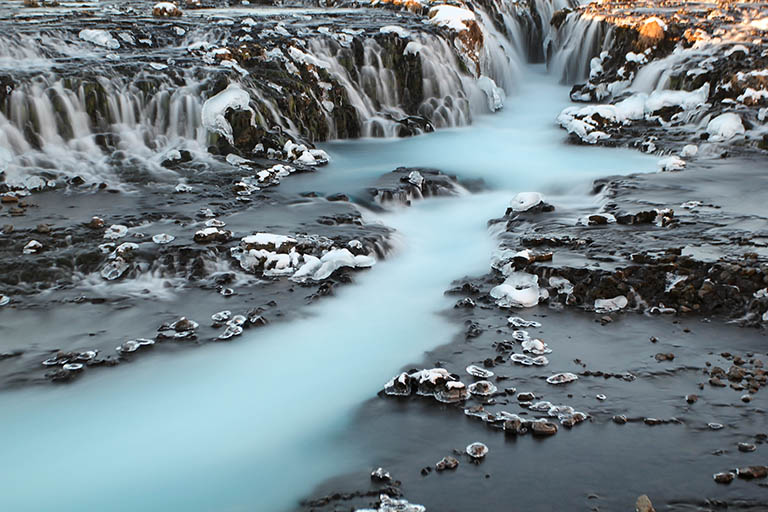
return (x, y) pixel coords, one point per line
(258, 423)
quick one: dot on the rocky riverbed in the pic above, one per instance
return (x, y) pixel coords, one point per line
(167, 182)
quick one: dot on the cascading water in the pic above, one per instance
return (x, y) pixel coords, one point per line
(54, 122)
(571, 48)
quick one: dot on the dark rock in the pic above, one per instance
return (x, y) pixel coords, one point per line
(447, 462)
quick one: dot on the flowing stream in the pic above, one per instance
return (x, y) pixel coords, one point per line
(256, 424)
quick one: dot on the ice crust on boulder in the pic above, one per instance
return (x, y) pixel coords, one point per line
(214, 109)
(671, 163)
(494, 94)
(99, 37)
(524, 201)
(610, 305)
(725, 126)
(519, 290)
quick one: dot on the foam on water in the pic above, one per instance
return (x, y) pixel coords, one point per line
(257, 423)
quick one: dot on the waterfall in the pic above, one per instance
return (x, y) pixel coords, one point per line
(71, 106)
(571, 48)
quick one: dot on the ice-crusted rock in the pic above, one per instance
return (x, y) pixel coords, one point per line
(561, 285)
(611, 305)
(387, 504)
(519, 290)
(215, 108)
(524, 201)
(480, 373)
(166, 10)
(562, 378)
(163, 238)
(99, 37)
(493, 93)
(725, 126)
(671, 163)
(115, 231)
(482, 388)
(536, 347)
(32, 247)
(689, 150)
(436, 382)
(114, 269)
(525, 360)
(477, 450)
(517, 322)
(268, 241)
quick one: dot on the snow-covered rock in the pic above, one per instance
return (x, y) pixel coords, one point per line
(725, 126)
(166, 10)
(451, 17)
(524, 201)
